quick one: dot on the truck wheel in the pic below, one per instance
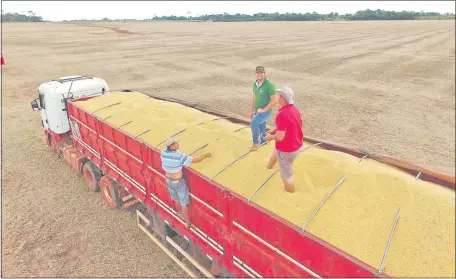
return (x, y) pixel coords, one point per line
(91, 176)
(48, 140)
(110, 192)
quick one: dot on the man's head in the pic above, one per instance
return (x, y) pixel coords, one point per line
(172, 144)
(285, 96)
(260, 73)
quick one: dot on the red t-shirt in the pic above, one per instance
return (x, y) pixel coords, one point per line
(289, 120)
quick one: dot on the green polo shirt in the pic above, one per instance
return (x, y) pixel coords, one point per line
(263, 93)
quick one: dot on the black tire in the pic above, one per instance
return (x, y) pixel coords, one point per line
(110, 192)
(92, 176)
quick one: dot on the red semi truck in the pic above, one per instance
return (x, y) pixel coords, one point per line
(228, 235)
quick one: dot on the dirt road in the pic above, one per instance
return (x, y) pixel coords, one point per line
(387, 87)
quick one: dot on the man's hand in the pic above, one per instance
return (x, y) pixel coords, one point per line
(273, 131)
(260, 110)
(268, 137)
(207, 155)
(251, 115)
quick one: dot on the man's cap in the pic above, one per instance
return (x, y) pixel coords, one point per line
(287, 93)
(170, 141)
(259, 69)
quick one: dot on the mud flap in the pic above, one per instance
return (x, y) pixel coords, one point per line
(158, 225)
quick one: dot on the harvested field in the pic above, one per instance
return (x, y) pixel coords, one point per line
(387, 87)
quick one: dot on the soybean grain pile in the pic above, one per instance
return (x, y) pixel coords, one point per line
(387, 87)
(358, 217)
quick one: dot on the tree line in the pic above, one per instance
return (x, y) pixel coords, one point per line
(225, 17)
(360, 15)
(17, 17)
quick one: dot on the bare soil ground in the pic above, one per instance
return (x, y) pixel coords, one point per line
(387, 87)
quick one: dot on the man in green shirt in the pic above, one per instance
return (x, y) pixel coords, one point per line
(263, 100)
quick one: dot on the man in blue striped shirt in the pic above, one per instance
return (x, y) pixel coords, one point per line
(172, 162)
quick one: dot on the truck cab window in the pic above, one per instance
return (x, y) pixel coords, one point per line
(41, 97)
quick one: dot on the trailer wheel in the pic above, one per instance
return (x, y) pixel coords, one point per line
(91, 176)
(110, 192)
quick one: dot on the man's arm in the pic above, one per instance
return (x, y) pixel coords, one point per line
(278, 133)
(274, 99)
(278, 136)
(272, 103)
(198, 159)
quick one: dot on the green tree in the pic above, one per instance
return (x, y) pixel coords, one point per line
(314, 16)
(16, 17)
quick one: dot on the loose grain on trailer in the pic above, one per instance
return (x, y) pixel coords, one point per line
(358, 216)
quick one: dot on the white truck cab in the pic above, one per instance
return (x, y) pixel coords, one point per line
(53, 96)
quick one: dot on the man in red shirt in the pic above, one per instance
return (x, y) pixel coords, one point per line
(288, 137)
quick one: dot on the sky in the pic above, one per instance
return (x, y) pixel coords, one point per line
(69, 10)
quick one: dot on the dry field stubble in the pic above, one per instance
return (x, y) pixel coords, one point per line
(387, 87)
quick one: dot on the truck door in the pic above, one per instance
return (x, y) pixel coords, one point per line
(62, 109)
(42, 103)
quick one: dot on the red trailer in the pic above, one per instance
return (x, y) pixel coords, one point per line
(228, 232)
(244, 239)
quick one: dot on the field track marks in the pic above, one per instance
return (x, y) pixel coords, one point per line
(345, 39)
(398, 45)
(383, 62)
(374, 41)
(115, 29)
(323, 67)
(444, 46)
(336, 62)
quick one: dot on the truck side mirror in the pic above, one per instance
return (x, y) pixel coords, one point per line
(35, 105)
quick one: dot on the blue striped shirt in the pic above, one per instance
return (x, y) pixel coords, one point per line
(172, 161)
